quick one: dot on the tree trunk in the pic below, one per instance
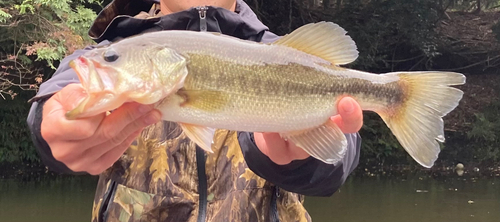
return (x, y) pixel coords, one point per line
(326, 4)
(339, 5)
(478, 4)
(310, 4)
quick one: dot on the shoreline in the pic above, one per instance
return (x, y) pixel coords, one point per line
(27, 172)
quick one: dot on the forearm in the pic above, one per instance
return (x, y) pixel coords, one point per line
(309, 176)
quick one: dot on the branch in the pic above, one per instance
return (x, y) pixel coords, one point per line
(473, 64)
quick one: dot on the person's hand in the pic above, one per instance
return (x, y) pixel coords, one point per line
(91, 144)
(349, 120)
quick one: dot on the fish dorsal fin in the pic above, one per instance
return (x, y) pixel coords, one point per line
(326, 40)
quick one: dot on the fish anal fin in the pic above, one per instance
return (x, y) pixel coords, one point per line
(326, 40)
(203, 99)
(326, 142)
(202, 136)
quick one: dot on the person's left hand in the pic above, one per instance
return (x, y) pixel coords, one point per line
(349, 120)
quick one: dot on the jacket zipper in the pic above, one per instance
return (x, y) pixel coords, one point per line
(273, 212)
(108, 196)
(202, 10)
(202, 184)
(200, 154)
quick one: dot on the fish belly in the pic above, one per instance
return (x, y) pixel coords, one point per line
(253, 114)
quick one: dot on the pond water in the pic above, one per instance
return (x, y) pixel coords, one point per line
(370, 199)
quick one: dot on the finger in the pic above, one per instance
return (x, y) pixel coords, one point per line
(55, 126)
(277, 149)
(108, 159)
(297, 152)
(93, 154)
(71, 95)
(266, 140)
(124, 121)
(350, 118)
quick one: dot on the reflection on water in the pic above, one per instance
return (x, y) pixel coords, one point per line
(54, 200)
(415, 200)
(369, 199)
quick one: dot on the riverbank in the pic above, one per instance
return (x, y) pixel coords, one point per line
(37, 172)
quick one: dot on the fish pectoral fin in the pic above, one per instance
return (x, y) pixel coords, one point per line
(203, 99)
(326, 143)
(324, 39)
(201, 135)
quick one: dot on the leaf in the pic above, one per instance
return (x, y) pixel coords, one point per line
(4, 15)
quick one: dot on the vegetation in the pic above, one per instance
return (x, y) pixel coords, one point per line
(36, 34)
(16, 145)
(391, 36)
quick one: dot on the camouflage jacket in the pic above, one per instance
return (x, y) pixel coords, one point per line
(163, 176)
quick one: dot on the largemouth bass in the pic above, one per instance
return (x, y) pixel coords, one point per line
(206, 81)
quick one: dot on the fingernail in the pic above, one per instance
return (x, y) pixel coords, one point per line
(152, 118)
(145, 108)
(348, 106)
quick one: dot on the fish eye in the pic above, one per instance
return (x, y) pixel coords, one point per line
(110, 55)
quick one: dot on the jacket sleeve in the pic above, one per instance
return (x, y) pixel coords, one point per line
(309, 177)
(63, 76)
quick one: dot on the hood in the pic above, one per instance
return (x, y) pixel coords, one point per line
(118, 20)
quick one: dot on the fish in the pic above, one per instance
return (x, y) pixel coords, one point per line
(206, 81)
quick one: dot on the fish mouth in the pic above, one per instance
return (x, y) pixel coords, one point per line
(99, 88)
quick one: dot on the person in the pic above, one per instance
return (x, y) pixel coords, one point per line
(150, 171)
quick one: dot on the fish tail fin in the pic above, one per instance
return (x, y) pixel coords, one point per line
(417, 122)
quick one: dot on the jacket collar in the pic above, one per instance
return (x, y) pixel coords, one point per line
(119, 20)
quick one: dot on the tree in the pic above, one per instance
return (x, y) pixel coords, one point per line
(36, 34)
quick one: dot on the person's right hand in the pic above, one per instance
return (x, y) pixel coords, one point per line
(91, 144)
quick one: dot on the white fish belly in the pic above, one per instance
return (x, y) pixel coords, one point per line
(268, 115)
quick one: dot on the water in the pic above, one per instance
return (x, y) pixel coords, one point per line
(54, 200)
(369, 199)
(414, 200)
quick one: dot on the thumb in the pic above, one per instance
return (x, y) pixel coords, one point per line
(350, 118)
(70, 96)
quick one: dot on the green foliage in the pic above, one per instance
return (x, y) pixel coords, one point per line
(67, 24)
(4, 16)
(15, 140)
(485, 134)
(484, 129)
(35, 34)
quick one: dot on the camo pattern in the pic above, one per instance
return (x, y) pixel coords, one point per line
(156, 180)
